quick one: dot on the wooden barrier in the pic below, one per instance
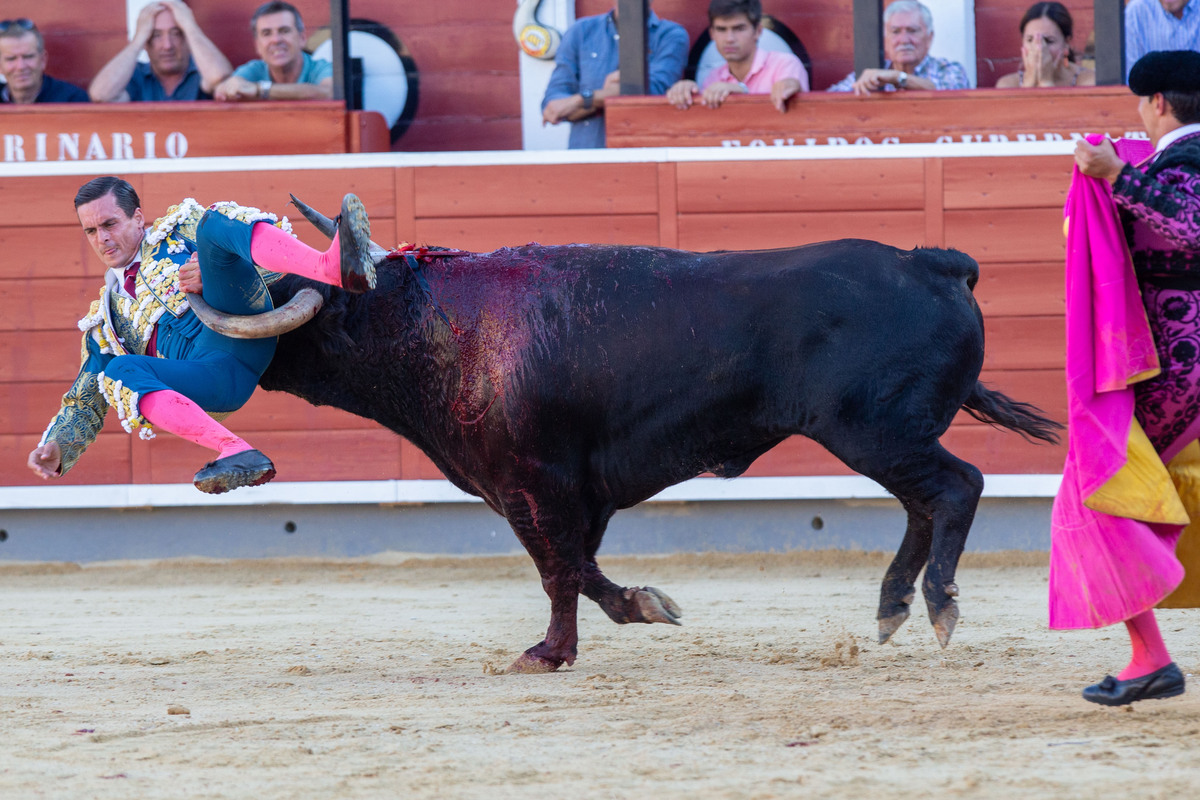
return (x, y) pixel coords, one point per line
(890, 118)
(65, 132)
(1006, 212)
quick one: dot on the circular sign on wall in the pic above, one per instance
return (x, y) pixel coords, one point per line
(388, 81)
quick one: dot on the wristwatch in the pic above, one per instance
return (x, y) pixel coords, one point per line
(586, 94)
(902, 81)
(264, 90)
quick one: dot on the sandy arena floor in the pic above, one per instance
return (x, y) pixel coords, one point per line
(348, 679)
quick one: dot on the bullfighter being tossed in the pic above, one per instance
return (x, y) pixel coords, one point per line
(148, 355)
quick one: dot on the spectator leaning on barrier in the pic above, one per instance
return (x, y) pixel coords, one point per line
(23, 65)
(907, 34)
(585, 72)
(1160, 25)
(735, 26)
(184, 63)
(283, 70)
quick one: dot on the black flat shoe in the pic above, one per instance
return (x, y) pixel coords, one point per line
(1160, 684)
(354, 239)
(249, 468)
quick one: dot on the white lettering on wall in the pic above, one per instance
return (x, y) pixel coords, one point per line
(68, 146)
(122, 146)
(176, 145)
(18, 147)
(945, 138)
(95, 149)
(14, 147)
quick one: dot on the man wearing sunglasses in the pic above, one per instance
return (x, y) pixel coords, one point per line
(23, 65)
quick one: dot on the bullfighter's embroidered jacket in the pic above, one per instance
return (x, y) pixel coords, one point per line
(1159, 205)
(116, 325)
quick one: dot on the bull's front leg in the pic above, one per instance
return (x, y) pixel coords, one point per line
(553, 537)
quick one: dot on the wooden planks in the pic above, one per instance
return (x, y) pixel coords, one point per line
(151, 131)
(740, 187)
(904, 117)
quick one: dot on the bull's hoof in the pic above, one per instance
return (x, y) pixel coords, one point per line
(944, 621)
(354, 236)
(653, 605)
(893, 614)
(528, 664)
(889, 625)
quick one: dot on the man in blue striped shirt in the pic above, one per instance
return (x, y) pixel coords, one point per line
(1160, 25)
(585, 72)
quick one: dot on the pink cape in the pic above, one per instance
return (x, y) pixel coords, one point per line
(1103, 568)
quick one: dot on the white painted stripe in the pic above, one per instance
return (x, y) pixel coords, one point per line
(176, 495)
(632, 155)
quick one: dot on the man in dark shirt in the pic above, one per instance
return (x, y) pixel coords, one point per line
(184, 63)
(23, 65)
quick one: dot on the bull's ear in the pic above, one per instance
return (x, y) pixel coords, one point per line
(321, 222)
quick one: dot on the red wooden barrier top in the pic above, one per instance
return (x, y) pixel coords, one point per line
(62, 132)
(818, 118)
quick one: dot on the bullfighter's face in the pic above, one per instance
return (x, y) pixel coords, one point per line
(279, 41)
(906, 40)
(113, 234)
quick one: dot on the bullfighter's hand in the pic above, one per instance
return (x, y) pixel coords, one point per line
(189, 275)
(680, 94)
(46, 460)
(1098, 161)
(715, 93)
(781, 90)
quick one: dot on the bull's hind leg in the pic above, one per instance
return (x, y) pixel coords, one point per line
(899, 583)
(931, 482)
(623, 604)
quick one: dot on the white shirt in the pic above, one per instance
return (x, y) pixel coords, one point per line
(1169, 139)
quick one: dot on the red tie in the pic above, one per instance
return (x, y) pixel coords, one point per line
(130, 277)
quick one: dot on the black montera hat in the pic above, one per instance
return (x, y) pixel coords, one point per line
(1165, 71)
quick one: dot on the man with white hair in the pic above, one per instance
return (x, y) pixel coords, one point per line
(907, 34)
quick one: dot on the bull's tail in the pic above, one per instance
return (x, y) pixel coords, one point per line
(995, 408)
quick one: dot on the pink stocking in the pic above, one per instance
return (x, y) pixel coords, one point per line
(279, 251)
(1149, 650)
(176, 414)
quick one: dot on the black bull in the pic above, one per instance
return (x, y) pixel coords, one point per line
(561, 384)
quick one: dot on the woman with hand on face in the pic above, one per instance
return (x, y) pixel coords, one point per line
(1046, 55)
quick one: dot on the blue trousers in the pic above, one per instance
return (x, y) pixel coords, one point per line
(216, 372)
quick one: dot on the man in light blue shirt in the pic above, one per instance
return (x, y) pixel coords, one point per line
(282, 71)
(585, 72)
(1160, 25)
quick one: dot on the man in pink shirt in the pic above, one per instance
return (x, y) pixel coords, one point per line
(735, 26)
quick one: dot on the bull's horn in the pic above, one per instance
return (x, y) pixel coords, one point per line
(321, 222)
(303, 306)
(328, 227)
